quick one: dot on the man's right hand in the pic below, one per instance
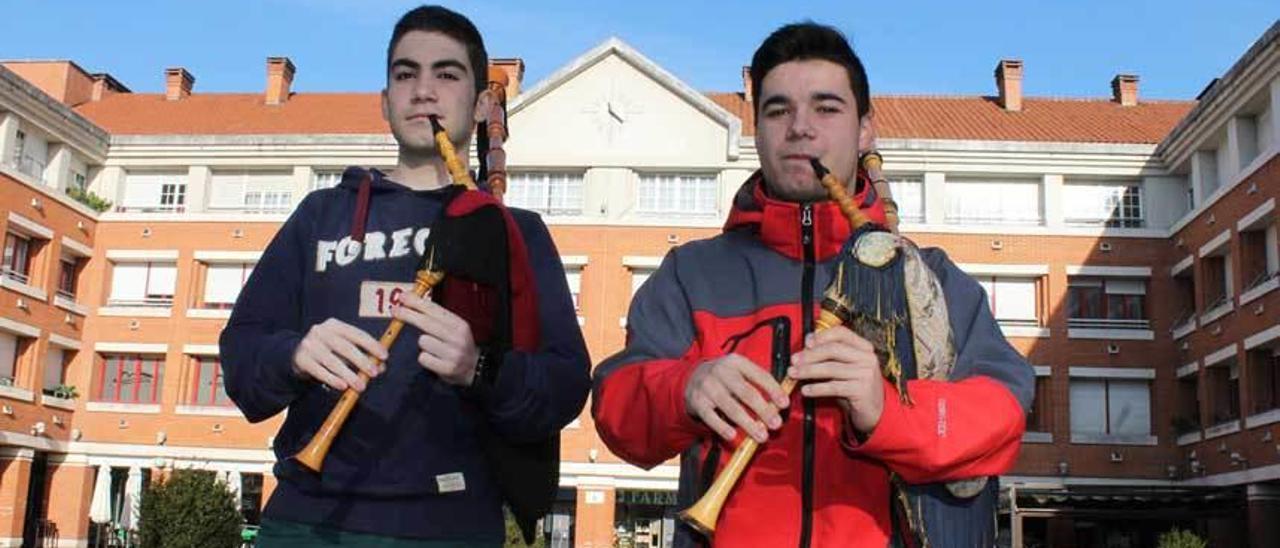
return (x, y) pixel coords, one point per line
(332, 351)
(730, 392)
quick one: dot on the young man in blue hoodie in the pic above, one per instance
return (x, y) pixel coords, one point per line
(408, 468)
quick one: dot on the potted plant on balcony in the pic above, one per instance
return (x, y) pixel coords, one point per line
(1180, 538)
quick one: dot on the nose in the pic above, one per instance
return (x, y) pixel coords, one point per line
(801, 126)
(423, 90)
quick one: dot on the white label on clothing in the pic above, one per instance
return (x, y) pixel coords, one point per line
(448, 483)
(377, 298)
(942, 418)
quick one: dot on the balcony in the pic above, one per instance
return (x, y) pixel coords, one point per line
(1104, 328)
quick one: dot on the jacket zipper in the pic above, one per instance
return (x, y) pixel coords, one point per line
(806, 317)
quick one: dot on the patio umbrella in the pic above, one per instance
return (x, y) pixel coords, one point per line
(132, 499)
(100, 504)
(233, 485)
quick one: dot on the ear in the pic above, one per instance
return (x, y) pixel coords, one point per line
(484, 103)
(867, 133)
(386, 107)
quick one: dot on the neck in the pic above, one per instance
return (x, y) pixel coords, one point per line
(425, 170)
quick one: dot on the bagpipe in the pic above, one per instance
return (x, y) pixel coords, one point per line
(885, 292)
(477, 266)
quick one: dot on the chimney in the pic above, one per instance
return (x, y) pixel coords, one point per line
(747, 92)
(280, 72)
(1009, 83)
(105, 86)
(514, 68)
(1124, 89)
(177, 83)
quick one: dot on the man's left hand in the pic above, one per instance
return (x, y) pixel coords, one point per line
(445, 346)
(836, 363)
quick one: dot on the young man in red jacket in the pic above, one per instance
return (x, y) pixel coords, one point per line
(703, 336)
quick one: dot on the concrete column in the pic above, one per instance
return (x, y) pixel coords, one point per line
(1275, 112)
(594, 514)
(8, 136)
(1204, 175)
(58, 173)
(935, 199)
(730, 181)
(110, 185)
(302, 176)
(1264, 506)
(198, 179)
(1054, 216)
(15, 477)
(609, 193)
(70, 493)
(1232, 155)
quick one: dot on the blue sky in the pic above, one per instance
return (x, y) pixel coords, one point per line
(1070, 48)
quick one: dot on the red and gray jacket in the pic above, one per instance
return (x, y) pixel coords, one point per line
(753, 290)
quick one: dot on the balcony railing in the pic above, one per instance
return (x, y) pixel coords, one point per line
(146, 301)
(15, 276)
(1105, 323)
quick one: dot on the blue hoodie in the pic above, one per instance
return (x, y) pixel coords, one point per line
(408, 461)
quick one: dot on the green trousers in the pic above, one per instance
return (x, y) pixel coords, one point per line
(289, 534)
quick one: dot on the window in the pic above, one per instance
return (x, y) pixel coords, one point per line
(1187, 418)
(19, 147)
(208, 388)
(267, 202)
(154, 192)
(251, 498)
(68, 276)
(1217, 281)
(173, 196)
(678, 194)
(1112, 407)
(1259, 255)
(18, 252)
(129, 378)
(1264, 379)
(30, 154)
(908, 191)
(1040, 419)
(1224, 391)
(222, 284)
(1012, 300)
(992, 202)
(142, 284)
(78, 181)
(1184, 295)
(251, 191)
(1111, 205)
(638, 277)
(546, 193)
(1112, 303)
(574, 277)
(321, 180)
(55, 368)
(12, 349)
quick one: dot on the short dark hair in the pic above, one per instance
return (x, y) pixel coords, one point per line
(805, 41)
(449, 23)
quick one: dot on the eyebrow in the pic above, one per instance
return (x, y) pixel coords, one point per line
(449, 63)
(412, 65)
(774, 100)
(827, 96)
(438, 65)
(817, 97)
